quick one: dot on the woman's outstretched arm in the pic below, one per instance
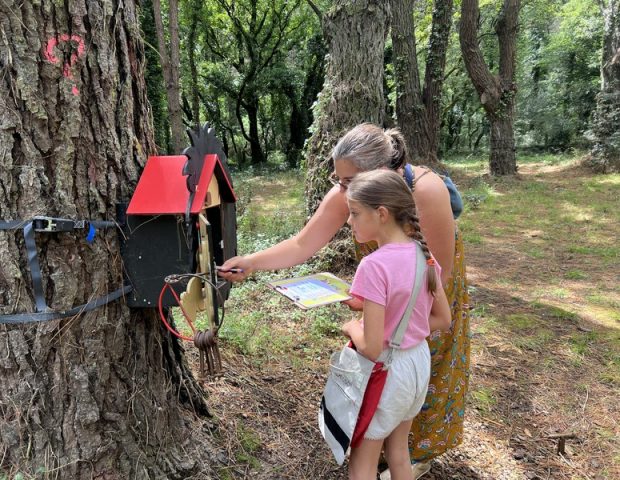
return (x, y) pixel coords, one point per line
(327, 220)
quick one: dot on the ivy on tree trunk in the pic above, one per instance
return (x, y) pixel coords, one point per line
(354, 32)
(605, 155)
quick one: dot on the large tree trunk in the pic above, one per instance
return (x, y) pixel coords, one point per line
(353, 90)
(419, 111)
(502, 161)
(170, 64)
(497, 93)
(410, 109)
(606, 127)
(99, 395)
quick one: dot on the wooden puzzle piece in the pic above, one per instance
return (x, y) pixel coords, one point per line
(204, 264)
(192, 300)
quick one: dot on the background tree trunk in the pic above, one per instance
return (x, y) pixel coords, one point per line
(497, 92)
(170, 64)
(606, 126)
(192, 43)
(419, 111)
(256, 150)
(99, 395)
(155, 84)
(354, 32)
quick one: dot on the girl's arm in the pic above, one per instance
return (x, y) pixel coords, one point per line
(368, 339)
(440, 317)
(433, 204)
(327, 220)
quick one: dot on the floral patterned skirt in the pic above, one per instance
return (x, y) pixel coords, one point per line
(439, 426)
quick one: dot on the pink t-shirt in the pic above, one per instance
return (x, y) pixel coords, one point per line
(386, 277)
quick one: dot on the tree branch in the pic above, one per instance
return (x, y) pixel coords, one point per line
(316, 10)
(484, 82)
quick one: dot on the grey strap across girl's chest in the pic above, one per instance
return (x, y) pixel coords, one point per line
(399, 332)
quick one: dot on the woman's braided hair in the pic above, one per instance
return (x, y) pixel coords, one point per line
(385, 188)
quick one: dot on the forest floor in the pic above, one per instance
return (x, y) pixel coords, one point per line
(543, 263)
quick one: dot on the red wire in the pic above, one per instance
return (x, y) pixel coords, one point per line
(176, 297)
(163, 318)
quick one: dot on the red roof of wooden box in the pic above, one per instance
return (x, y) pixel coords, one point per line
(162, 186)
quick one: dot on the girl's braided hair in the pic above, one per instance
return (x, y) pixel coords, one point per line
(385, 188)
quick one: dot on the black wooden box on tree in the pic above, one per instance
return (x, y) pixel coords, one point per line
(181, 219)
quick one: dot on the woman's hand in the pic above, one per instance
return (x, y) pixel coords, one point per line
(236, 269)
(354, 304)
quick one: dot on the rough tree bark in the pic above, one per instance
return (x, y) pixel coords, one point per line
(496, 92)
(605, 155)
(103, 394)
(170, 64)
(353, 88)
(418, 109)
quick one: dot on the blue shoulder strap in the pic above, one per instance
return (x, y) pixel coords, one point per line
(409, 175)
(456, 202)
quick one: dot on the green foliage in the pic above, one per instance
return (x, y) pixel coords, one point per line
(558, 77)
(483, 399)
(250, 443)
(255, 60)
(259, 67)
(559, 72)
(575, 275)
(326, 326)
(253, 67)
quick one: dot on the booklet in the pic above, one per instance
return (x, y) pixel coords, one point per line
(313, 290)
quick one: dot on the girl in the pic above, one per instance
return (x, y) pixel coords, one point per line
(381, 208)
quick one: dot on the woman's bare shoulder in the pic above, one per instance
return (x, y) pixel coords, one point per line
(429, 185)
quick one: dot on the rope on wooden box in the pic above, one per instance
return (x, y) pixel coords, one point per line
(204, 340)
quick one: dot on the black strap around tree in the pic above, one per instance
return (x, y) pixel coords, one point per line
(49, 224)
(35, 269)
(46, 316)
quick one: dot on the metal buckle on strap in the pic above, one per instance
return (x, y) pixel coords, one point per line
(50, 224)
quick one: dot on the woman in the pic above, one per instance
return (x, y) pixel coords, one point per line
(439, 426)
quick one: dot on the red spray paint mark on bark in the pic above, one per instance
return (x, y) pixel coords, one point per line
(77, 52)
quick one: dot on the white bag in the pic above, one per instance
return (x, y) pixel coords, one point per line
(349, 372)
(342, 399)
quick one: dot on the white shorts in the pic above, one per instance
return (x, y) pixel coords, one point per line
(404, 392)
